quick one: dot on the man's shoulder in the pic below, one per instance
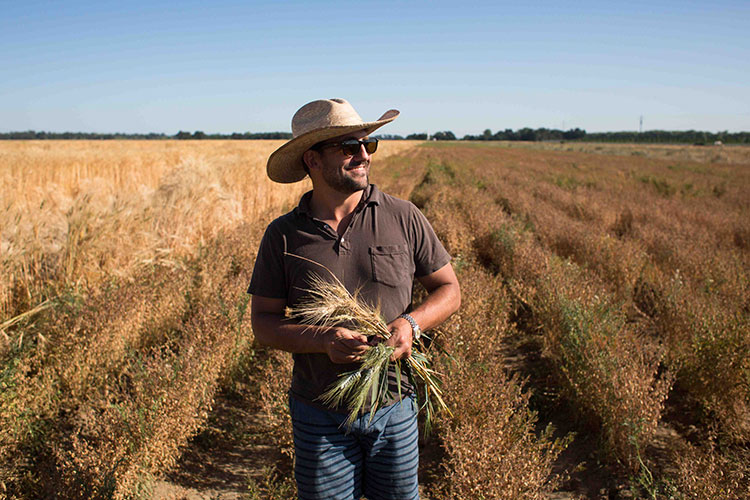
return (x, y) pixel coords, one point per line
(292, 218)
(287, 220)
(279, 229)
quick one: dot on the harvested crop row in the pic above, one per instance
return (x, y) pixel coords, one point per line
(519, 225)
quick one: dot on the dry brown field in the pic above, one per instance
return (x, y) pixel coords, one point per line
(602, 349)
(627, 307)
(724, 154)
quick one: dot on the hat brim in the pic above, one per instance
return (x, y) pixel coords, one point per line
(285, 164)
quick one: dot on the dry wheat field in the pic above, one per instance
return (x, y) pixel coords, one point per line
(602, 349)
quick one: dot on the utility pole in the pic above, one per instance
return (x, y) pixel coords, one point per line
(640, 126)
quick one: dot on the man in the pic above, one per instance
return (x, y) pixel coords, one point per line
(374, 244)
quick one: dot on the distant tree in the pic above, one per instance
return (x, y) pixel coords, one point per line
(29, 134)
(444, 136)
(389, 137)
(416, 137)
(526, 134)
(486, 135)
(573, 134)
(268, 135)
(198, 134)
(183, 135)
(506, 135)
(545, 134)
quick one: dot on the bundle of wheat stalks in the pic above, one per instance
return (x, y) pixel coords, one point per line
(330, 304)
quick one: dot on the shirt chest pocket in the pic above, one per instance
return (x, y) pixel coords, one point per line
(391, 264)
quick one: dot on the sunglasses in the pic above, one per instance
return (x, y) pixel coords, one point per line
(351, 147)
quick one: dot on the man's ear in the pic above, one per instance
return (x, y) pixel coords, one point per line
(311, 159)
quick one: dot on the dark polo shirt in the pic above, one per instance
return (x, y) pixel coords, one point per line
(386, 244)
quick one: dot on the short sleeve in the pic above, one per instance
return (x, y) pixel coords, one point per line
(429, 254)
(268, 278)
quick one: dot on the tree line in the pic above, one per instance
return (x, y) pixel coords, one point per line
(524, 134)
(696, 137)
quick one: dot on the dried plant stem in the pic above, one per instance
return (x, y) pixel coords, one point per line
(20, 317)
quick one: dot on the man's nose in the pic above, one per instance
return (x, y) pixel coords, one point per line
(362, 153)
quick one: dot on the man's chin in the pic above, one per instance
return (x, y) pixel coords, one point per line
(353, 185)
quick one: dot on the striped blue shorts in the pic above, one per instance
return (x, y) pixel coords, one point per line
(378, 459)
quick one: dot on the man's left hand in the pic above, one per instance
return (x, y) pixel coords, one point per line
(401, 338)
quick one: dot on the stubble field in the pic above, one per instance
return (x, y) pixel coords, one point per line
(603, 346)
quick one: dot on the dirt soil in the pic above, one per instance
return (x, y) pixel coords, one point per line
(234, 452)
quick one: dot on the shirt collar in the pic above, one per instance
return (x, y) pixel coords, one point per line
(372, 196)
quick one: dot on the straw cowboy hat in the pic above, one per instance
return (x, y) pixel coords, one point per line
(315, 122)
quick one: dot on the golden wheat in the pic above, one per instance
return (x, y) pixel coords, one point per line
(73, 212)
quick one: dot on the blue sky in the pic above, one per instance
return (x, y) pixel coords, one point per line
(228, 66)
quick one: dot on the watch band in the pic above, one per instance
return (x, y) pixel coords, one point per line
(414, 325)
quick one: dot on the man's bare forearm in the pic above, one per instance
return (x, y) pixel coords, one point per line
(441, 302)
(438, 306)
(273, 330)
(443, 298)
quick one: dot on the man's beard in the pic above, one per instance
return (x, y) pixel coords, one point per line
(345, 184)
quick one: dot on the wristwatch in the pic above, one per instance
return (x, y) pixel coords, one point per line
(414, 325)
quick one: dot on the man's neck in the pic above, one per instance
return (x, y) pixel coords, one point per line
(332, 206)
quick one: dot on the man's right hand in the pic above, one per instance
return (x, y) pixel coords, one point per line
(343, 345)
